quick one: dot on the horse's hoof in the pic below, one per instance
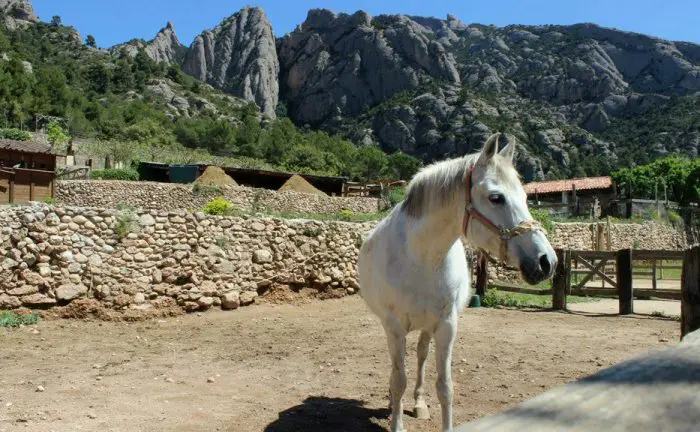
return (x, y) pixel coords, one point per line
(421, 412)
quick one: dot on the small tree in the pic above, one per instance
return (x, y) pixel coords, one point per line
(90, 41)
(56, 136)
(56, 20)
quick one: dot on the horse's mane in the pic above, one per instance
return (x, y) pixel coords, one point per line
(436, 185)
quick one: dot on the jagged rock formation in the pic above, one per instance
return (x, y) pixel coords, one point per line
(17, 12)
(337, 65)
(165, 47)
(436, 88)
(239, 57)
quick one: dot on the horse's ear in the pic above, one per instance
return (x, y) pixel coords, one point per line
(490, 149)
(508, 152)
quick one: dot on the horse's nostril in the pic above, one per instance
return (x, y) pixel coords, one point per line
(545, 265)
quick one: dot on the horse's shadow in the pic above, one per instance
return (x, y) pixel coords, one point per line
(319, 413)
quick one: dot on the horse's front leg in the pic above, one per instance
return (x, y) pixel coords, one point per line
(420, 409)
(444, 339)
(396, 338)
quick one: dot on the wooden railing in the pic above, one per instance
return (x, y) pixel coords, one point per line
(620, 282)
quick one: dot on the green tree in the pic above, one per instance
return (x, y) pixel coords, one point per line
(151, 136)
(371, 163)
(57, 136)
(90, 41)
(402, 166)
(55, 20)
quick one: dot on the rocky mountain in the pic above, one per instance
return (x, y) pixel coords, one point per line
(164, 48)
(17, 12)
(581, 99)
(239, 57)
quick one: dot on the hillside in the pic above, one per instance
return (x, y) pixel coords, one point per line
(581, 99)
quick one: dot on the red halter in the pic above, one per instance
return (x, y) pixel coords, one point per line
(503, 233)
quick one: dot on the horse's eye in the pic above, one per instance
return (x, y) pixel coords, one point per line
(497, 198)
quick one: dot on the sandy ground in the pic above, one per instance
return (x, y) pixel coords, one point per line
(670, 308)
(319, 366)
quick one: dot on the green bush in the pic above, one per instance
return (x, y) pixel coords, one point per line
(543, 217)
(206, 189)
(218, 206)
(13, 319)
(115, 174)
(15, 134)
(494, 298)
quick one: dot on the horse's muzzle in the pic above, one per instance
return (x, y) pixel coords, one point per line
(537, 270)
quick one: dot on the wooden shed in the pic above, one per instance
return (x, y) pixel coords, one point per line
(27, 155)
(27, 171)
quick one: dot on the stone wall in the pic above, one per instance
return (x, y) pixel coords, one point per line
(53, 255)
(170, 196)
(649, 235)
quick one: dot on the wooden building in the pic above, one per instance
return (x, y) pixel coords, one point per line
(574, 197)
(27, 155)
(27, 171)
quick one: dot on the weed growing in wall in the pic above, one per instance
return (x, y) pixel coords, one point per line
(218, 207)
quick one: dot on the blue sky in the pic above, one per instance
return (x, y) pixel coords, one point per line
(113, 22)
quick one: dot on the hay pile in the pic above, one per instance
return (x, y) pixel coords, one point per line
(215, 176)
(297, 183)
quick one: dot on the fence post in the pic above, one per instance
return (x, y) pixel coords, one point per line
(624, 280)
(482, 274)
(690, 292)
(559, 281)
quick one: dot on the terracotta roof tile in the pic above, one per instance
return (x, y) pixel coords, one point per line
(26, 146)
(586, 183)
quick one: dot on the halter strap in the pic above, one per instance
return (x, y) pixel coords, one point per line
(503, 233)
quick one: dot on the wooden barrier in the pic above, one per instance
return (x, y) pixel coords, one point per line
(19, 186)
(560, 282)
(657, 391)
(690, 300)
(624, 281)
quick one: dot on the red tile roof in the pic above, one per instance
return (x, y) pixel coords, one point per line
(586, 183)
(26, 146)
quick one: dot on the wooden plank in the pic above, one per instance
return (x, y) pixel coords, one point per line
(559, 283)
(482, 274)
(656, 391)
(640, 255)
(501, 286)
(690, 289)
(595, 270)
(666, 294)
(624, 281)
(586, 254)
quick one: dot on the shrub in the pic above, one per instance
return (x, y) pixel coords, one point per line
(218, 206)
(396, 195)
(543, 217)
(14, 319)
(125, 225)
(115, 174)
(494, 298)
(15, 134)
(206, 189)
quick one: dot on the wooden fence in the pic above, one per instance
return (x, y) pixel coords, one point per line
(19, 186)
(595, 264)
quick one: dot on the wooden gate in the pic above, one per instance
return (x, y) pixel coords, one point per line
(595, 265)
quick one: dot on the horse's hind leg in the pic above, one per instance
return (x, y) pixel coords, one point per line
(396, 338)
(420, 410)
(444, 339)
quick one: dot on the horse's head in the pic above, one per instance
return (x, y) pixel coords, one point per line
(499, 220)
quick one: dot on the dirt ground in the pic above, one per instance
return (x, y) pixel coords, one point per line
(319, 366)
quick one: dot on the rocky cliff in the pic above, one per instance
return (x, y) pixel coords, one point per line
(165, 47)
(239, 57)
(337, 65)
(17, 12)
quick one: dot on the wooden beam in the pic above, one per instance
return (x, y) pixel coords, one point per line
(624, 281)
(654, 391)
(690, 289)
(559, 283)
(482, 274)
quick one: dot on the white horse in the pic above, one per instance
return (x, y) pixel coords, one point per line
(413, 270)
